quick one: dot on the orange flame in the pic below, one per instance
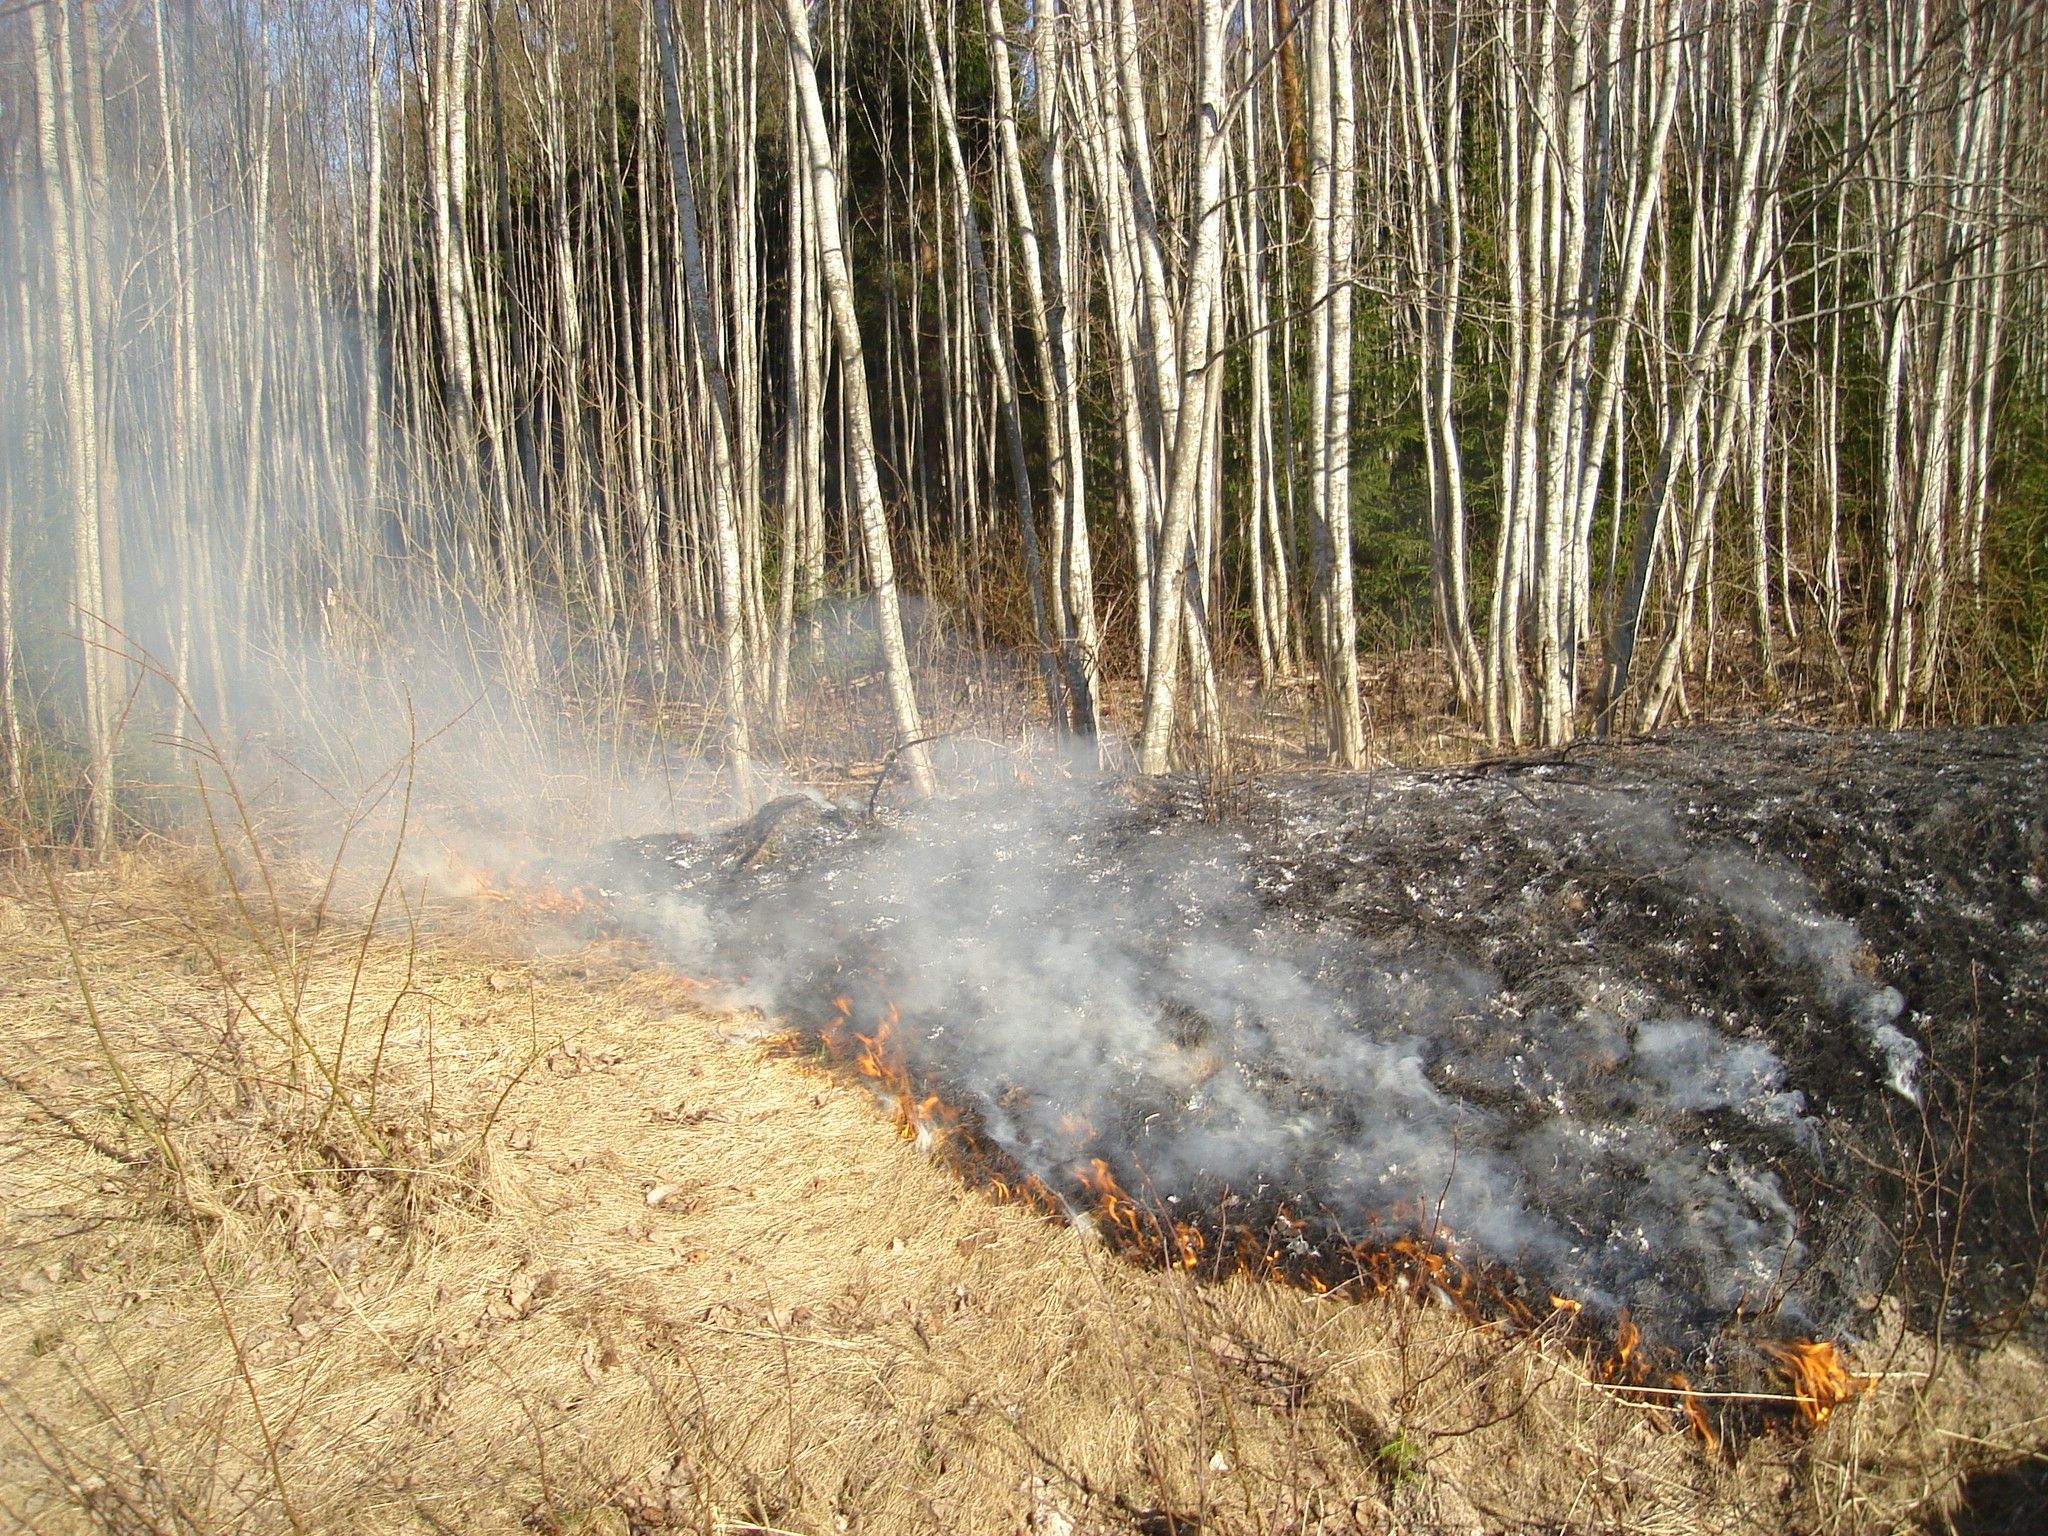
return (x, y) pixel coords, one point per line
(1818, 1375)
(1420, 1264)
(1076, 1126)
(1627, 1365)
(1695, 1415)
(924, 1118)
(513, 888)
(1112, 1205)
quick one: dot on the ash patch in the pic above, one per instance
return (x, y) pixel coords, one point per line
(1676, 1027)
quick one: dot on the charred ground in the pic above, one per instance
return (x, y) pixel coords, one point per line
(1736, 1030)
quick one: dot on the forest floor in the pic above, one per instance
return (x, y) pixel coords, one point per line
(472, 1223)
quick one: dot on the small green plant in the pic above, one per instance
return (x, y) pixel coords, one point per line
(1401, 1458)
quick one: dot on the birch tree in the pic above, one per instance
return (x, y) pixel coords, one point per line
(1701, 338)
(1187, 415)
(77, 336)
(829, 245)
(1333, 193)
(726, 488)
(997, 349)
(1730, 305)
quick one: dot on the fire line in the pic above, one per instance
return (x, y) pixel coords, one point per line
(1420, 1265)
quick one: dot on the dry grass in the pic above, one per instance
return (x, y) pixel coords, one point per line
(440, 1229)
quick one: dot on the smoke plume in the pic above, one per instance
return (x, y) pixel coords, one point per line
(1096, 977)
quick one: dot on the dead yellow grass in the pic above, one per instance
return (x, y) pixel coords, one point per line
(308, 1230)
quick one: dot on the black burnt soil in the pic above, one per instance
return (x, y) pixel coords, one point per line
(1737, 1030)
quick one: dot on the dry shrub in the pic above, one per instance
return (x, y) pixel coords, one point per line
(315, 1228)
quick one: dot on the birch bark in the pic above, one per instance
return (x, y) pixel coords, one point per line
(830, 247)
(725, 489)
(1187, 461)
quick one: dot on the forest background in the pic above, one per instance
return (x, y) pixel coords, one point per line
(795, 385)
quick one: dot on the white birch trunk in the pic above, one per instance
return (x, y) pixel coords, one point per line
(830, 248)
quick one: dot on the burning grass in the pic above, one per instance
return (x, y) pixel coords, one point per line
(1417, 1261)
(1626, 1023)
(314, 1228)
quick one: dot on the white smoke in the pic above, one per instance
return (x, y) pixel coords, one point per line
(1775, 902)
(1094, 979)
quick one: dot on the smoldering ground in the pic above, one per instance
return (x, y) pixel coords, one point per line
(1668, 1029)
